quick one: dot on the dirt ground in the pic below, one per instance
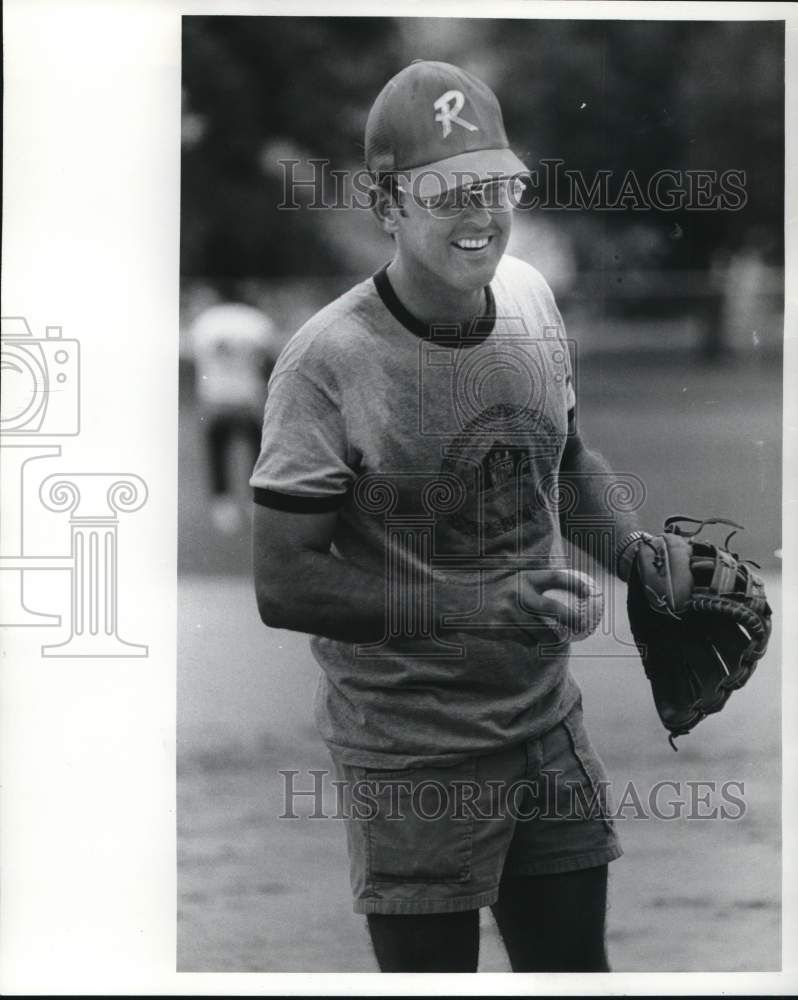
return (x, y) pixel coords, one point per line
(260, 893)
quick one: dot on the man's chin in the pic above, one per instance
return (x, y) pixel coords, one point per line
(470, 275)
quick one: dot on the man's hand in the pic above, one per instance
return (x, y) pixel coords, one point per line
(514, 606)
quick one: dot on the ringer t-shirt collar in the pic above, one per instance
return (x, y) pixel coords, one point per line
(479, 330)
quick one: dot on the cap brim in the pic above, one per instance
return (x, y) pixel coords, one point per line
(433, 179)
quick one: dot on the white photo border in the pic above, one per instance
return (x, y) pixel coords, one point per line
(87, 748)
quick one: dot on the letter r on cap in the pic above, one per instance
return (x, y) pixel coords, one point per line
(448, 107)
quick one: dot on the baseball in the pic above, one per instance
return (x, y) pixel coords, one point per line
(589, 608)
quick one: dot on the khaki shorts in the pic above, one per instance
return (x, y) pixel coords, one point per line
(439, 839)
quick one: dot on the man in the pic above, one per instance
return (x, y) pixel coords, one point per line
(234, 348)
(418, 433)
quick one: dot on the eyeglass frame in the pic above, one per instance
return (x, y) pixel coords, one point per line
(471, 190)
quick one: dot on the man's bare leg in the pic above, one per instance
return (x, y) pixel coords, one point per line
(554, 923)
(434, 942)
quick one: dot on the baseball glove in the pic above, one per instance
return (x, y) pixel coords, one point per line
(699, 617)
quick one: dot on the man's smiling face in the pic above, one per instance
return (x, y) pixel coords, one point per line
(461, 252)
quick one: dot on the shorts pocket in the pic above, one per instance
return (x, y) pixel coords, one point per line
(595, 800)
(418, 830)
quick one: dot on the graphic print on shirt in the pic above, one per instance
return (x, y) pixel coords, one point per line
(500, 471)
(503, 401)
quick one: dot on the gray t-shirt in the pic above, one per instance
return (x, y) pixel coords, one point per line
(440, 451)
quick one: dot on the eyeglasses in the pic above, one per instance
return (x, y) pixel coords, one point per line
(500, 194)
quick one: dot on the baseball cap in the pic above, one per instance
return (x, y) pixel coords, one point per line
(440, 127)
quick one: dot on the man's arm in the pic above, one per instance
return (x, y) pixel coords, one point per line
(300, 585)
(588, 473)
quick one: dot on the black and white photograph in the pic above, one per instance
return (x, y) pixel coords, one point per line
(507, 531)
(397, 487)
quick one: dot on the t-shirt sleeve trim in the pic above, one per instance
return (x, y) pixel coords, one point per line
(297, 504)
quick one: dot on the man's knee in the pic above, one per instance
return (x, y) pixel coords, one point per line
(434, 942)
(554, 923)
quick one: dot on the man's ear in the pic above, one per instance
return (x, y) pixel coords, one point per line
(387, 208)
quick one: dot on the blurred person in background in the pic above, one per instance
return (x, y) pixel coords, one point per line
(234, 349)
(367, 393)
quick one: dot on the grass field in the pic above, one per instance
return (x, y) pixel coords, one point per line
(258, 893)
(702, 440)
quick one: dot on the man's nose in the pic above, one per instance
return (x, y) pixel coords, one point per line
(477, 210)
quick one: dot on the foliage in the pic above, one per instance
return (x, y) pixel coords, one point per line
(612, 95)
